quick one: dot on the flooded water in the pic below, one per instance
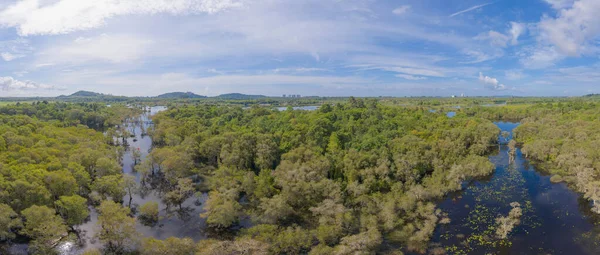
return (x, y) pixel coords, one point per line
(303, 108)
(172, 223)
(555, 219)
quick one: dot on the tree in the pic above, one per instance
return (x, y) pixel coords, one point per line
(136, 154)
(73, 210)
(106, 166)
(44, 226)
(149, 213)
(130, 186)
(181, 192)
(221, 211)
(362, 243)
(507, 223)
(266, 152)
(111, 186)
(61, 183)
(9, 222)
(512, 149)
(264, 185)
(117, 229)
(171, 246)
(238, 247)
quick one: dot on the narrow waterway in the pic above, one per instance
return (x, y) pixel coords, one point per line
(172, 223)
(555, 219)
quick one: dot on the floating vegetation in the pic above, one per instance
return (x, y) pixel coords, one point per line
(547, 209)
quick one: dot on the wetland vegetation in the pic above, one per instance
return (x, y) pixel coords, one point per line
(340, 176)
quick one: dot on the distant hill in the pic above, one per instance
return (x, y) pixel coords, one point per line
(180, 95)
(238, 96)
(83, 93)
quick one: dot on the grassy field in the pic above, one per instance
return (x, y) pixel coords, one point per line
(6, 103)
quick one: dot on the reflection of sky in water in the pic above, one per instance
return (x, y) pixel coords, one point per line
(556, 220)
(304, 108)
(172, 223)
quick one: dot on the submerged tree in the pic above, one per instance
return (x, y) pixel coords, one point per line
(73, 210)
(505, 224)
(149, 213)
(44, 227)
(181, 192)
(117, 228)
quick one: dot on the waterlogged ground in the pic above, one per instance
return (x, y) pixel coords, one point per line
(555, 219)
(173, 222)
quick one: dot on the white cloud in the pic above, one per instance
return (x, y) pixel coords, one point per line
(516, 30)
(491, 83)
(300, 70)
(469, 9)
(7, 56)
(8, 83)
(401, 10)
(501, 40)
(14, 49)
(415, 71)
(410, 77)
(514, 75)
(574, 31)
(478, 56)
(560, 4)
(103, 48)
(495, 38)
(540, 57)
(31, 17)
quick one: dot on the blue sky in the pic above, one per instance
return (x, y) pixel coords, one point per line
(308, 47)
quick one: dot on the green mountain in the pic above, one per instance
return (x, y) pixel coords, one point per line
(180, 95)
(238, 96)
(83, 93)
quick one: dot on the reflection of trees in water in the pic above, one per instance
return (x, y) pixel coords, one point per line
(485, 200)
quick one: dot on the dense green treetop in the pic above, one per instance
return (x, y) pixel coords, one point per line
(344, 178)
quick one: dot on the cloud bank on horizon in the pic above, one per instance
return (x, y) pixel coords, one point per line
(311, 47)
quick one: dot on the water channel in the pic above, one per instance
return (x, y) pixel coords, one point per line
(555, 219)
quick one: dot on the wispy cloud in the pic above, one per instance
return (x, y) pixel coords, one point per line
(401, 10)
(31, 17)
(469, 9)
(8, 83)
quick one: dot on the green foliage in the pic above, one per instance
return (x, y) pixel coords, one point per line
(73, 209)
(117, 228)
(221, 211)
(319, 178)
(9, 222)
(111, 186)
(44, 226)
(171, 246)
(149, 213)
(563, 139)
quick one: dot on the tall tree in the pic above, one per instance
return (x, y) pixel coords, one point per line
(44, 227)
(117, 228)
(9, 222)
(73, 210)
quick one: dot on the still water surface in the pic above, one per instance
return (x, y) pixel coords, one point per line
(555, 219)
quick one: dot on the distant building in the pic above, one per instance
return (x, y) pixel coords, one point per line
(284, 95)
(453, 96)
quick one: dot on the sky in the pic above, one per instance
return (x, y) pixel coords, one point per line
(306, 47)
